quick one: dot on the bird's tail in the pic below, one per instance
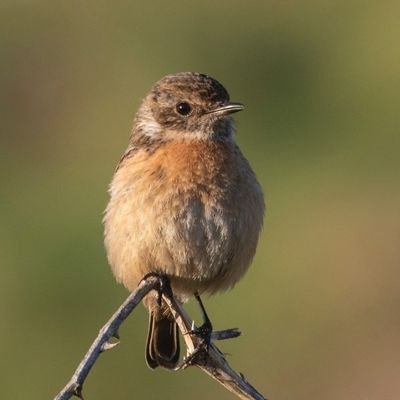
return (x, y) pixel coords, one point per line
(162, 346)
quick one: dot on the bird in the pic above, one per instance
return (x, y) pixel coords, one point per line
(183, 202)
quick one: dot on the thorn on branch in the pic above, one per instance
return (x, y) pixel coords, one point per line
(78, 392)
(109, 345)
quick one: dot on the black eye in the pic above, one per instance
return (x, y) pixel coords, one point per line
(183, 108)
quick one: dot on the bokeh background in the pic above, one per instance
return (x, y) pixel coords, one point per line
(319, 309)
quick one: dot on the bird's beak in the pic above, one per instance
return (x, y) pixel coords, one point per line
(229, 108)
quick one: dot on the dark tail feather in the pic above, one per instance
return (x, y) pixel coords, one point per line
(162, 347)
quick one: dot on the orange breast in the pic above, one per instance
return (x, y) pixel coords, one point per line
(200, 164)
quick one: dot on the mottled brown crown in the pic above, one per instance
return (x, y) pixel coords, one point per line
(195, 86)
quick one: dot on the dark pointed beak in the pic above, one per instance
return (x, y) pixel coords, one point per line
(226, 109)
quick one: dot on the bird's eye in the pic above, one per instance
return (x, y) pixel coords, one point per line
(183, 108)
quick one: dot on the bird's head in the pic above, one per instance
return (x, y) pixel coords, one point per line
(187, 105)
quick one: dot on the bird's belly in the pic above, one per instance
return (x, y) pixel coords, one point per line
(201, 239)
(201, 245)
(198, 245)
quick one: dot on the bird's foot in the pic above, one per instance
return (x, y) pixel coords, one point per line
(203, 332)
(164, 285)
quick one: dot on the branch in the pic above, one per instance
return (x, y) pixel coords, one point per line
(102, 341)
(210, 359)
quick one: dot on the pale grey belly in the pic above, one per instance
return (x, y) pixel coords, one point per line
(210, 246)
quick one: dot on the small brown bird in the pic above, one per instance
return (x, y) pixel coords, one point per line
(184, 202)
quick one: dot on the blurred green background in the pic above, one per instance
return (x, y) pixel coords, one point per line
(319, 309)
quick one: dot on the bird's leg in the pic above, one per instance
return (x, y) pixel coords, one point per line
(206, 334)
(206, 320)
(205, 330)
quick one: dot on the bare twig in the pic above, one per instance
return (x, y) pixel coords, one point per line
(102, 341)
(208, 358)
